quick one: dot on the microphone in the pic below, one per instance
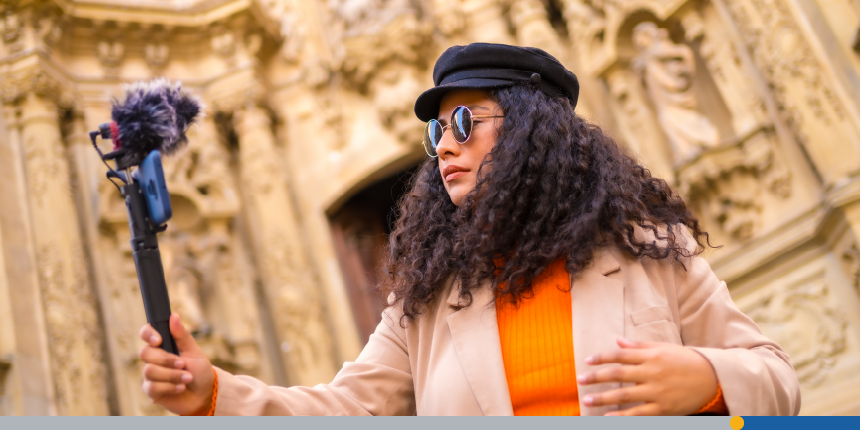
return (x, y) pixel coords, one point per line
(149, 120)
(150, 116)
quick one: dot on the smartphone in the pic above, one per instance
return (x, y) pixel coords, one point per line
(150, 175)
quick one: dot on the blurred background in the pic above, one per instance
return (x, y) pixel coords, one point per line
(282, 200)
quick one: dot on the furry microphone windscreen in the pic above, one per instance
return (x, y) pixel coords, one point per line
(153, 116)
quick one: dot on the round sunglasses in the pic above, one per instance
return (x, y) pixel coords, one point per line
(462, 121)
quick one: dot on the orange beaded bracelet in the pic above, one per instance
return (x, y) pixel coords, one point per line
(713, 402)
(214, 395)
(211, 411)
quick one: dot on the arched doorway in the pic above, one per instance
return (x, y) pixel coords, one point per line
(360, 230)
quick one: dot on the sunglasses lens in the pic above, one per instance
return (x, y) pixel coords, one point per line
(432, 137)
(462, 124)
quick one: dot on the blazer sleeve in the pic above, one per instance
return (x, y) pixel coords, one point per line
(753, 371)
(379, 382)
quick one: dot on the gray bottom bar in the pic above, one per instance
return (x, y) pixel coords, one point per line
(366, 423)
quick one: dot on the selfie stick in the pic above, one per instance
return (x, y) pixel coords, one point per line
(147, 261)
(150, 120)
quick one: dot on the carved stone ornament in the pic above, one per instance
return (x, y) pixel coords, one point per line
(110, 54)
(156, 55)
(788, 55)
(42, 82)
(45, 164)
(805, 322)
(743, 99)
(589, 22)
(728, 181)
(193, 265)
(73, 328)
(258, 158)
(224, 44)
(27, 27)
(667, 69)
(237, 94)
(450, 17)
(393, 95)
(805, 98)
(370, 26)
(294, 33)
(533, 28)
(316, 72)
(50, 30)
(298, 305)
(11, 31)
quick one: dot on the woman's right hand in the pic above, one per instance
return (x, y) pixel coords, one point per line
(182, 384)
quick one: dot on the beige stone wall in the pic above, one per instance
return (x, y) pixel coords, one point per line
(748, 107)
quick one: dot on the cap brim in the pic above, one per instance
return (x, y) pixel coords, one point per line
(427, 104)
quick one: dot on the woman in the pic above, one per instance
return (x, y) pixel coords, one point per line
(534, 269)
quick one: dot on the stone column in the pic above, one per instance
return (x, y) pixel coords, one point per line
(28, 376)
(120, 333)
(290, 287)
(71, 310)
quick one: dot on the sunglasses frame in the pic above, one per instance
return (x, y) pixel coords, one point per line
(471, 120)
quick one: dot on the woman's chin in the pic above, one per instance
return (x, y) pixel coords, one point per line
(456, 198)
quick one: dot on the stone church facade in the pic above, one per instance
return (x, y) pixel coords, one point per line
(750, 108)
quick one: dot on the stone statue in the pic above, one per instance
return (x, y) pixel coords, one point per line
(667, 69)
(185, 281)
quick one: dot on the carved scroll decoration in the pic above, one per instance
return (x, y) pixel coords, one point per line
(804, 320)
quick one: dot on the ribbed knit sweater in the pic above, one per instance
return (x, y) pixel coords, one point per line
(537, 347)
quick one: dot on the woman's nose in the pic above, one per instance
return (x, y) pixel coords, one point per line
(447, 145)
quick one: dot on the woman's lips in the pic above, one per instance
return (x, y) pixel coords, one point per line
(455, 175)
(453, 172)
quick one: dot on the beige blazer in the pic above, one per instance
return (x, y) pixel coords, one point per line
(448, 361)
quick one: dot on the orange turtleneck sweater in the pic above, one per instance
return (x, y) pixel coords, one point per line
(537, 349)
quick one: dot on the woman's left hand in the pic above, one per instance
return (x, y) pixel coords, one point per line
(670, 379)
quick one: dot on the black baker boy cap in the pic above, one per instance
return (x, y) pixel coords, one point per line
(492, 65)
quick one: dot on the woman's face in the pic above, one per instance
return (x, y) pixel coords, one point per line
(459, 163)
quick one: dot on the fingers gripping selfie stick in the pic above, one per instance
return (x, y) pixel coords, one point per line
(150, 120)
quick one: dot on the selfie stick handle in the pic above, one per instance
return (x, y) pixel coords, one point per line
(147, 260)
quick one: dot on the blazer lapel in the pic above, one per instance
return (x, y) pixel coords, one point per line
(476, 339)
(598, 319)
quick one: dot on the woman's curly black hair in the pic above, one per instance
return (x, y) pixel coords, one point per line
(553, 186)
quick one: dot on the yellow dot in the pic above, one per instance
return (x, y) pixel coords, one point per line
(737, 423)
